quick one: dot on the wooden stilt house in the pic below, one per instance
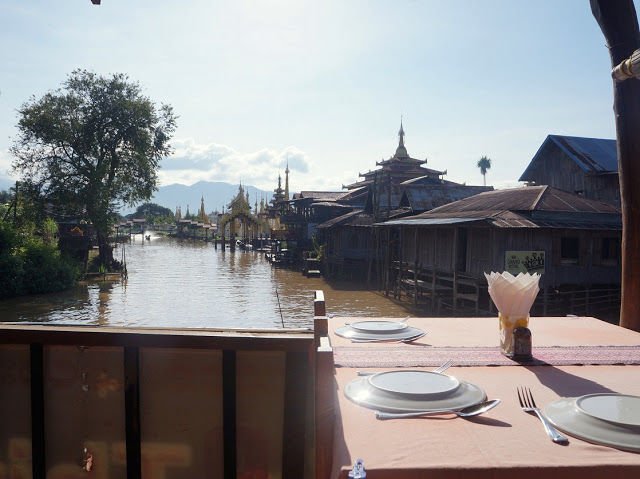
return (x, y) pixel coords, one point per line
(572, 241)
(585, 166)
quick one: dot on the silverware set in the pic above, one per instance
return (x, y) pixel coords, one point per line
(470, 411)
(525, 398)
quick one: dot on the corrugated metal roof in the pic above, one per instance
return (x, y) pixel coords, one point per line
(529, 198)
(413, 221)
(331, 204)
(528, 207)
(423, 198)
(322, 195)
(338, 220)
(592, 155)
(354, 193)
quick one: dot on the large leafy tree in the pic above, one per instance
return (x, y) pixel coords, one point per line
(93, 145)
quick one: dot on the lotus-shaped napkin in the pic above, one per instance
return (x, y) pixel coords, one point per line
(513, 296)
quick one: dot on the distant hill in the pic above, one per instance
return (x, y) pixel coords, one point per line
(216, 195)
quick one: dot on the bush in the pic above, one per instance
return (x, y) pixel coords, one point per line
(28, 265)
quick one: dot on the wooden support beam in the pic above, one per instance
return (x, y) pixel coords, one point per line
(38, 447)
(619, 24)
(229, 414)
(295, 406)
(132, 412)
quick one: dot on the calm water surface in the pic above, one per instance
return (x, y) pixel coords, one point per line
(187, 284)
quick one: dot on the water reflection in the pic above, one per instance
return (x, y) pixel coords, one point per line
(191, 284)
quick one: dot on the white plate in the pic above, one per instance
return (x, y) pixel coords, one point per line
(364, 394)
(617, 408)
(417, 384)
(567, 416)
(406, 333)
(378, 326)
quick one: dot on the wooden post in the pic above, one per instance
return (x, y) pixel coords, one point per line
(454, 300)
(319, 307)
(619, 24)
(324, 408)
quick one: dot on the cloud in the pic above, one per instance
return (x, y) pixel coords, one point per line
(192, 162)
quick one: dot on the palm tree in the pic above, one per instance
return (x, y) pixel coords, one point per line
(484, 164)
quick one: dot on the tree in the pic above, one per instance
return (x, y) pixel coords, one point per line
(153, 213)
(92, 146)
(484, 164)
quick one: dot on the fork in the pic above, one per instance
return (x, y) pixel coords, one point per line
(529, 405)
(440, 369)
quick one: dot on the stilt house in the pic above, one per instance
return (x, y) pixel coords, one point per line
(574, 242)
(585, 166)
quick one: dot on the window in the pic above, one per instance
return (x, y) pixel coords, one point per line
(610, 251)
(570, 250)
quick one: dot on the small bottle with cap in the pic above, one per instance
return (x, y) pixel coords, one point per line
(358, 471)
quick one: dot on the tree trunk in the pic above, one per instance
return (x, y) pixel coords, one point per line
(106, 252)
(619, 24)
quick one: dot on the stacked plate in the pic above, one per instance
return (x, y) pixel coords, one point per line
(607, 419)
(411, 390)
(379, 330)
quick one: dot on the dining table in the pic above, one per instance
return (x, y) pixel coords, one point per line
(571, 357)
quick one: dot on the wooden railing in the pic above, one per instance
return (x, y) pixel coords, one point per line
(324, 409)
(215, 403)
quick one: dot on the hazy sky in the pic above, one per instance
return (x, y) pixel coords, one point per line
(325, 82)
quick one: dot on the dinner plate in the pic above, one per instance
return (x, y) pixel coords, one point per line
(586, 418)
(363, 393)
(416, 384)
(617, 408)
(380, 326)
(405, 333)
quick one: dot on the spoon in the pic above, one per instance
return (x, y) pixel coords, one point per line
(464, 412)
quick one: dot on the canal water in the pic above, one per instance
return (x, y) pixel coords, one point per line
(190, 284)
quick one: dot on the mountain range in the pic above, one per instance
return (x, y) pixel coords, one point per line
(216, 195)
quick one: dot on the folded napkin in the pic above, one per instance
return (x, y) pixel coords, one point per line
(513, 296)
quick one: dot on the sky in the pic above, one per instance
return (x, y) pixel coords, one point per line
(323, 85)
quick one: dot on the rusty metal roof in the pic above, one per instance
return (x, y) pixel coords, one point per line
(527, 207)
(528, 198)
(421, 197)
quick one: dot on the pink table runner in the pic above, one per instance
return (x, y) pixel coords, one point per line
(406, 355)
